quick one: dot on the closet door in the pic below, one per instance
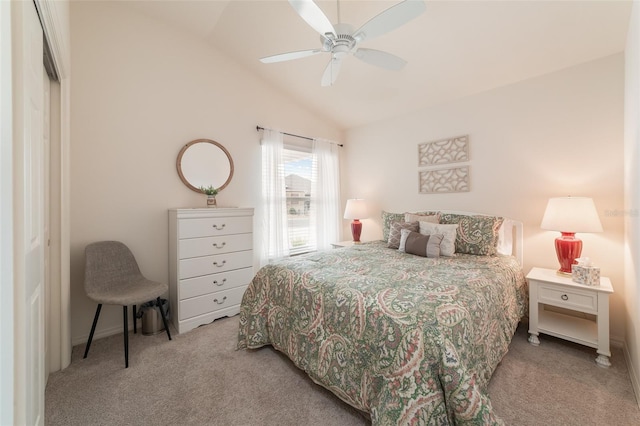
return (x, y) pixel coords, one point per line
(29, 212)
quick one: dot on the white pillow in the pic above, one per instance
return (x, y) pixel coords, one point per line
(448, 245)
(414, 217)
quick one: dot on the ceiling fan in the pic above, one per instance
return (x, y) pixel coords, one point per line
(341, 39)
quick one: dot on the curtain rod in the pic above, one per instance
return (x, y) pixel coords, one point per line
(258, 128)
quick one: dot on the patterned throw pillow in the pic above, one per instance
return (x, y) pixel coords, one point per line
(419, 217)
(394, 232)
(448, 244)
(421, 245)
(476, 234)
(387, 220)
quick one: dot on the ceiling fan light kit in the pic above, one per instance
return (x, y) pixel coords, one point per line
(341, 40)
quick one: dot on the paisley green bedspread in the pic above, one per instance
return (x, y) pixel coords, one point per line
(408, 339)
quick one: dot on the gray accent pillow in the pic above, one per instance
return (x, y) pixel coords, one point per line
(394, 232)
(420, 245)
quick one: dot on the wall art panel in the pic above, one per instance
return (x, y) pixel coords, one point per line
(444, 151)
(455, 179)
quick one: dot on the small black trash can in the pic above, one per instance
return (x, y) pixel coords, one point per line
(151, 319)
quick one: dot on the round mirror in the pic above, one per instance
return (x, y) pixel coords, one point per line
(204, 162)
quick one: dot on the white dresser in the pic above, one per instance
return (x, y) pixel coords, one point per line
(210, 263)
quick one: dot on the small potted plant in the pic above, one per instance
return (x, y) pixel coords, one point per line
(211, 195)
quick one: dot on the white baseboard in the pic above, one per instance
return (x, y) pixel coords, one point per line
(633, 374)
(617, 342)
(99, 334)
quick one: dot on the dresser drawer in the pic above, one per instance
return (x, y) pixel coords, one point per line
(198, 286)
(583, 301)
(213, 226)
(199, 266)
(210, 302)
(195, 247)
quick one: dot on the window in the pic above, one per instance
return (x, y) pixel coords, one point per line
(301, 194)
(298, 176)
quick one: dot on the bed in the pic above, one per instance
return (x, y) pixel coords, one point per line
(405, 338)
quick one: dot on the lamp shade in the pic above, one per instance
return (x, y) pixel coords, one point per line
(356, 209)
(571, 214)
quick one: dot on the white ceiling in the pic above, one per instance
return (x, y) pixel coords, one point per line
(454, 49)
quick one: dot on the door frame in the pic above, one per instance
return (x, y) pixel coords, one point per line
(54, 18)
(59, 324)
(6, 219)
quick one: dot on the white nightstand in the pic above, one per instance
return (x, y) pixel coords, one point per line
(548, 288)
(348, 243)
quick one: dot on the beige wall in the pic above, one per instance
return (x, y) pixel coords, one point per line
(555, 135)
(632, 195)
(140, 91)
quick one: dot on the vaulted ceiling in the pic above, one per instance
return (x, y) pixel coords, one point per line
(454, 49)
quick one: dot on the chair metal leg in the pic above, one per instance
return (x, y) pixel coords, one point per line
(164, 318)
(126, 336)
(93, 328)
(135, 320)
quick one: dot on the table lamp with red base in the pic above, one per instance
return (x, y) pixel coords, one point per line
(569, 215)
(356, 209)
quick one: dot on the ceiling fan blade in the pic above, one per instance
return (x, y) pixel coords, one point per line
(331, 72)
(313, 15)
(289, 56)
(390, 19)
(380, 59)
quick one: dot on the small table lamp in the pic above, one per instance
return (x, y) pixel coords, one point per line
(569, 215)
(356, 209)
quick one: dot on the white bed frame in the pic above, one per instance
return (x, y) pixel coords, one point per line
(510, 239)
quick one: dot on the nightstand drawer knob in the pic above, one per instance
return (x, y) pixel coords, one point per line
(564, 297)
(220, 303)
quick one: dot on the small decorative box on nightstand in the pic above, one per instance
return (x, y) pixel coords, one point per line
(548, 288)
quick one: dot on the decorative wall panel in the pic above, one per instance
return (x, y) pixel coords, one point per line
(439, 181)
(444, 151)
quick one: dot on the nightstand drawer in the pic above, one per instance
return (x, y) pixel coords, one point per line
(583, 301)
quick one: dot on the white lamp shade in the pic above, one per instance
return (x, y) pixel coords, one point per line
(356, 209)
(571, 214)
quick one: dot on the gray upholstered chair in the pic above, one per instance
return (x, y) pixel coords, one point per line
(112, 277)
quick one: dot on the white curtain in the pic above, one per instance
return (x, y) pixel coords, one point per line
(274, 230)
(325, 193)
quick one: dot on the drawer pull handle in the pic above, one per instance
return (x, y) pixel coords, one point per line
(215, 226)
(220, 265)
(220, 303)
(220, 284)
(564, 297)
(219, 246)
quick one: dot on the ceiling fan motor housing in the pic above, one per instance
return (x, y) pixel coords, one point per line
(340, 43)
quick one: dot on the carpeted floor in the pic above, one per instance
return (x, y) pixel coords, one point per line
(200, 379)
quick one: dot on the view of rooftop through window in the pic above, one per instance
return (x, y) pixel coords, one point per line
(298, 178)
